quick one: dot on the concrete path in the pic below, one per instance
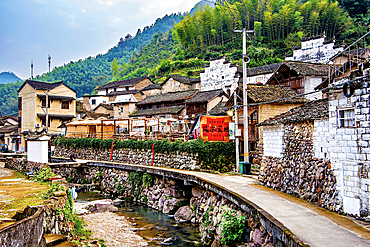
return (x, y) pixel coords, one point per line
(301, 218)
(309, 226)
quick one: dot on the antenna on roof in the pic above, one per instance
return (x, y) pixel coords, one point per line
(32, 68)
(49, 58)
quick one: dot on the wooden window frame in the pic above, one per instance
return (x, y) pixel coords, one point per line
(346, 118)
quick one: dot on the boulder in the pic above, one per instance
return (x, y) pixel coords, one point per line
(183, 214)
(196, 192)
(170, 205)
(102, 206)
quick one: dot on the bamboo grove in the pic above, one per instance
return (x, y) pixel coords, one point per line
(272, 20)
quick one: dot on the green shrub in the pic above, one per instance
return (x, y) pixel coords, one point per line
(43, 175)
(53, 188)
(232, 226)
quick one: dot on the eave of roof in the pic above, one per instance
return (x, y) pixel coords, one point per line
(156, 111)
(42, 96)
(39, 85)
(167, 97)
(60, 116)
(129, 82)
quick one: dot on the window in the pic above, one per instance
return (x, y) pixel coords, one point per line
(93, 101)
(19, 103)
(346, 118)
(65, 104)
(43, 103)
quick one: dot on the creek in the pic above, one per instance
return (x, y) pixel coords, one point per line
(156, 228)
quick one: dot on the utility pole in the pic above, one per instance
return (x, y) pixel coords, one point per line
(47, 112)
(236, 131)
(245, 95)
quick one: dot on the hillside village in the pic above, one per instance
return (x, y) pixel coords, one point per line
(298, 112)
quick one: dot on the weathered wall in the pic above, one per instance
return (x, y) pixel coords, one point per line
(300, 174)
(219, 75)
(143, 157)
(350, 149)
(273, 140)
(190, 203)
(26, 232)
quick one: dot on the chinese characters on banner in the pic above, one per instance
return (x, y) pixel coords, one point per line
(215, 128)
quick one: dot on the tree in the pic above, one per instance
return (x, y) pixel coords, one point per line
(115, 67)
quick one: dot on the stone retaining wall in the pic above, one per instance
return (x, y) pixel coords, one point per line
(53, 218)
(188, 202)
(300, 174)
(182, 161)
(26, 232)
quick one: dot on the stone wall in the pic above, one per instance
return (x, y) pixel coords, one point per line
(188, 203)
(182, 161)
(300, 174)
(350, 148)
(26, 232)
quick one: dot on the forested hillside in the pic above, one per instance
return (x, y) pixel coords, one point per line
(209, 33)
(85, 75)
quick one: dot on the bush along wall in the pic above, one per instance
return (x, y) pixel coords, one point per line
(197, 154)
(220, 221)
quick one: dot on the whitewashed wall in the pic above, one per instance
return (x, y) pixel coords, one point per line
(219, 75)
(309, 86)
(315, 51)
(273, 144)
(350, 150)
(321, 139)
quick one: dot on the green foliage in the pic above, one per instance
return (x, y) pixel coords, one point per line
(87, 74)
(217, 156)
(43, 175)
(119, 186)
(53, 188)
(210, 32)
(79, 230)
(148, 180)
(232, 226)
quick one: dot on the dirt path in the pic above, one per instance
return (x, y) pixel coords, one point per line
(114, 229)
(16, 192)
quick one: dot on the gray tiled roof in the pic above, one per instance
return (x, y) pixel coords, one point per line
(152, 86)
(167, 97)
(156, 111)
(205, 96)
(182, 79)
(129, 82)
(43, 85)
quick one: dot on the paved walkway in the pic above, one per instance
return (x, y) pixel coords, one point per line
(304, 222)
(311, 224)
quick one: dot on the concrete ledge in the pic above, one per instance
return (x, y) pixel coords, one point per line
(26, 232)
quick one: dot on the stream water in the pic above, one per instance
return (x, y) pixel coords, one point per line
(155, 227)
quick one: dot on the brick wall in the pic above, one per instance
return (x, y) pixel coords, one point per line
(350, 150)
(273, 140)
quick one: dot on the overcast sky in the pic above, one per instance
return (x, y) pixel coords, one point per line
(71, 29)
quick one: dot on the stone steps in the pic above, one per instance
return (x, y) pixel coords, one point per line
(57, 240)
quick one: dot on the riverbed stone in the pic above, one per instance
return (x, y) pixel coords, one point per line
(101, 206)
(170, 206)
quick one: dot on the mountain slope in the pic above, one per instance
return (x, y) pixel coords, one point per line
(85, 75)
(7, 77)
